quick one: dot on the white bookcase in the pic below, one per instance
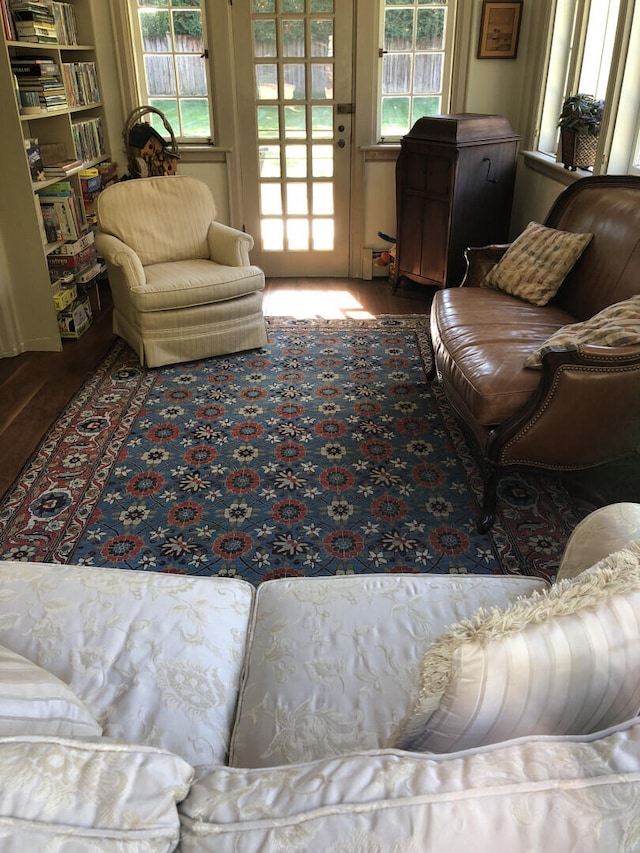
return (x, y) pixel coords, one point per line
(28, 319)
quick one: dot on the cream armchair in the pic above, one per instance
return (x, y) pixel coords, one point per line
(182, 284)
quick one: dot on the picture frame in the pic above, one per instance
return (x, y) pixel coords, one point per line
(499, 29)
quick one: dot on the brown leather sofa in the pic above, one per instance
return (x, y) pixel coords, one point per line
(583, 408)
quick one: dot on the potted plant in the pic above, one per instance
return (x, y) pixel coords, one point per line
(579, 125)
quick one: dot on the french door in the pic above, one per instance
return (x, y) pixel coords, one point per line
(293, 66)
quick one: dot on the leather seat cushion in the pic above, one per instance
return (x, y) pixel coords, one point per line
(185, 284)
(481, 339)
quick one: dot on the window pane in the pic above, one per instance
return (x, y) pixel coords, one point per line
(270, 199)
(297, 199)
(155, 30)
(323, 199)
(322, 5)
(322, 161)
(264, 6)
(298, 234)
(264, 38)
(323, 235)
(296, 161)
(398, 29)
(195, 117)
(321, 38)
(293, 5)
(168, 106)
(266, 82)
(294, 85)
(430, 31)
(322, 122)
(293, 38)
(295, 122)
(270, 161)
(428, 72)
(322, 81)
(191, 75)
(160, 74)
(395, 116)
(598, 48)
(272, 235)
(396, 73)
(425, 107)
(187, 28)
(268, 122)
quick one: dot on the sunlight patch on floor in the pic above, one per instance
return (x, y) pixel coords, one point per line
(327, 304)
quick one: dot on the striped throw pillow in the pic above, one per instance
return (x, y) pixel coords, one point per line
(565, 661)
(618, 325)
(536, 263)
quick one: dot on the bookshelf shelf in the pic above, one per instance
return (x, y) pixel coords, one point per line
(64, 77)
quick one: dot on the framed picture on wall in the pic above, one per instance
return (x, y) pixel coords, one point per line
(499, 29)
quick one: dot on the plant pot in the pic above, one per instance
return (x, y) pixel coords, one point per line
(578, 149)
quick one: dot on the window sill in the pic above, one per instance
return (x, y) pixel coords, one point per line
(550, 168)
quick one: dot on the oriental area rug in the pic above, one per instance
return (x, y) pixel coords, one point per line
(327, 452)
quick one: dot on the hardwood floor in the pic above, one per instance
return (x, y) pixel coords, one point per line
(35, 387)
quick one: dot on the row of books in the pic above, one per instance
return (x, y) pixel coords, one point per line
(88, 139)
(40, 21)
(81, 81)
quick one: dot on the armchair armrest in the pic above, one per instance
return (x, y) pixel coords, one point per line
(479, 260)
(117, 254)
(229, 246)
(586, 411)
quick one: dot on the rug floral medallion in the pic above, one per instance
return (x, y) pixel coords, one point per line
(327, 452)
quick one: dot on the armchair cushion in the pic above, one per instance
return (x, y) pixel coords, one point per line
(33, 701)
(536, 263)
(617, 325)
(563, 661)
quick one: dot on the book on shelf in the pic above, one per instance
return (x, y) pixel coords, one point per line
(34, 158)
(67, 208)
(88, 139)
(51, 223)
(56, 162)
(65, 20)
(82, 83)
(7, 21)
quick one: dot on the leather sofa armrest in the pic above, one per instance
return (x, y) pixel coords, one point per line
(229, 246)
(585, 392)
(479, 261)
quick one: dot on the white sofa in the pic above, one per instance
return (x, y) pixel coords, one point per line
(234, 719)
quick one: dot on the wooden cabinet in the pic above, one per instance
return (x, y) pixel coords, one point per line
(454, 188)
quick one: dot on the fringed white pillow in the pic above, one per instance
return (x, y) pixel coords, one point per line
(565, 661)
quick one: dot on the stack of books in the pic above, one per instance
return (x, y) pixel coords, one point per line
(55, 162)
(34, 21)
(40, 85)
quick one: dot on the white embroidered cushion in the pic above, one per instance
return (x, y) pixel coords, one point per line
(536, 263)
(530, 795)
(563, 661)
(81, 797)
(33, 701)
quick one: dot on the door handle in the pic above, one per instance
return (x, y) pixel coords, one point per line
(341, 143)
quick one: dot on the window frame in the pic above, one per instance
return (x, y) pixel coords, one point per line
(139, 76)
(619, 139)
(447, 62)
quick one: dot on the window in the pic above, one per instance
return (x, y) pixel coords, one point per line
(416, 60)
(591, 52)
(169, 40)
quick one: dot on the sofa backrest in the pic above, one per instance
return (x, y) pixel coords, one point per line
(162, 219)
(609, 269)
